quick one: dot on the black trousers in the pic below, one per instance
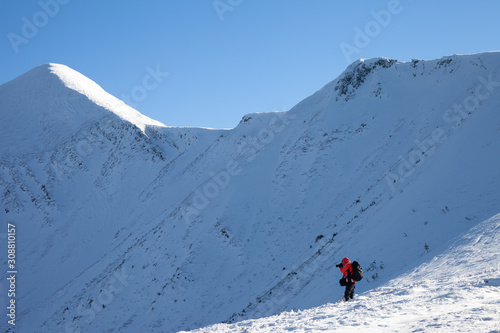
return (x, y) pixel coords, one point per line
(349, 291)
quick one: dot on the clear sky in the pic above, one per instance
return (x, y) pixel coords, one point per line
(209, 62)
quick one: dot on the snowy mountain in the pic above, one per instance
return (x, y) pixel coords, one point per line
(124, 224)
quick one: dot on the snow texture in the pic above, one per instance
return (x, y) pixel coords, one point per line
(457, 291)
(128, 225)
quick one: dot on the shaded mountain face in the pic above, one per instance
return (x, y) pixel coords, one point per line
(125, 224)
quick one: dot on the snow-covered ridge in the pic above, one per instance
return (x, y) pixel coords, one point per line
(356, 74)
(80, 83)
(53, 102)
(344, 87)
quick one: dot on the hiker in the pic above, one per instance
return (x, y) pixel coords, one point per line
(347, 281)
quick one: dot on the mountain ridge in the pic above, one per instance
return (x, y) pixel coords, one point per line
(55, 102)
(236, 224)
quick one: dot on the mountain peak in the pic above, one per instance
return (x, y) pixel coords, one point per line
(52, 102)
(357, 72)
(82, 84)
(371, 74)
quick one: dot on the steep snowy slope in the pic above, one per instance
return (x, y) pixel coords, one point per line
(456, 291)
(132, 226)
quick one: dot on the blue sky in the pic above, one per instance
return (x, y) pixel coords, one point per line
(209, 62)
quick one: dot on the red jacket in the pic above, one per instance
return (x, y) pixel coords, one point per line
(345, 270)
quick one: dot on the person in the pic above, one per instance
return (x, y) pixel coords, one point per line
(347, 281)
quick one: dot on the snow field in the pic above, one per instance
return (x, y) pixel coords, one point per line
(458, 291)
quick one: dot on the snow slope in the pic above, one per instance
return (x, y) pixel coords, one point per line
(456, 291)
(128, 225)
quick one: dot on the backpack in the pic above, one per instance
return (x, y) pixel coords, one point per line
(356, 271)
